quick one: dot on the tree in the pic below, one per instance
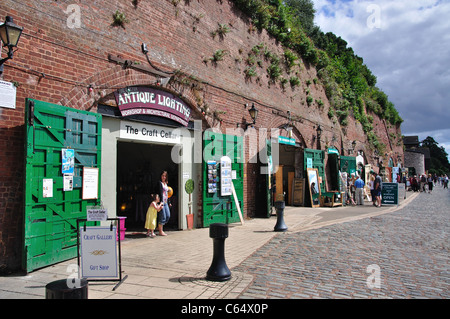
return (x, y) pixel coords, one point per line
(304, 10)
(439, 157)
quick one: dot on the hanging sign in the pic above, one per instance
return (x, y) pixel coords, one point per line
(148, 101)
(96, 214)
(98, 252)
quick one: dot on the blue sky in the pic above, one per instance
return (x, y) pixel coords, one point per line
(406, 45)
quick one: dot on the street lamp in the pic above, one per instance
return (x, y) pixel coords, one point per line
(350, 151)
(10, 35)
(253, 113)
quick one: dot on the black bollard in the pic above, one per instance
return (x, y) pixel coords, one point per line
(218, 271)
(59, 290)
(280, 225)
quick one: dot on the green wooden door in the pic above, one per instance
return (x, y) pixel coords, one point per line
(50, 218)
(218, 208)
(348, 164)
(316, 159)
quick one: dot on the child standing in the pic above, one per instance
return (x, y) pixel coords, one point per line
(153, 209)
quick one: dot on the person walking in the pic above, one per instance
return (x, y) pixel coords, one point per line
(359, 184)
(423, 183)
(377, 189)
(370, 183)
(430, 183)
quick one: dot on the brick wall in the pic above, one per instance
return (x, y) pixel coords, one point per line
(57, 62)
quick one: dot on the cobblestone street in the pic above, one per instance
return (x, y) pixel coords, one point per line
(403, 254)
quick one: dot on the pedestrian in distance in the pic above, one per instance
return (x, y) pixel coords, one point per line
(152, 212)
(415, 184)
(359, 193)
(370, 183)
(423, 183)
(430, 183)
(351, 189)
(377, 189)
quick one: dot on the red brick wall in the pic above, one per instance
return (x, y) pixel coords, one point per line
(55, 63)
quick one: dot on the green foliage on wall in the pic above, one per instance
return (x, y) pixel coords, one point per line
(349, 84)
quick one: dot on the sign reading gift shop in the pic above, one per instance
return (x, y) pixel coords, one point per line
(149, 101)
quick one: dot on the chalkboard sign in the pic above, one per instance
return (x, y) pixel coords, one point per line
(389, 193)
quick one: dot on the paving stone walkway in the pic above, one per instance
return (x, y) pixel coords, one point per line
(402, 254)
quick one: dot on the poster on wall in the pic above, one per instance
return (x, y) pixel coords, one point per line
(225, 176)
(90, 183)
(68, 182)
(68, 160)
(212, 177)
(7, 95)
(47, 187)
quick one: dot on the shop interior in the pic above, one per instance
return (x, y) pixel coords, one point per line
(139, 166)
(290, 163)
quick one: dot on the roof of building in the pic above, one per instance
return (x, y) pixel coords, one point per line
(411, 140)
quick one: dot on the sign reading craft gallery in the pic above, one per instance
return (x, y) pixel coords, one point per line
(148, 101)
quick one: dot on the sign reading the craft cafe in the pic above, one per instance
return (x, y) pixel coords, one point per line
(148, 101)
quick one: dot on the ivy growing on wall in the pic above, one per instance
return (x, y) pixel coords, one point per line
(349, 84)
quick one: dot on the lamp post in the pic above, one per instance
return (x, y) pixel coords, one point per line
(10, 35)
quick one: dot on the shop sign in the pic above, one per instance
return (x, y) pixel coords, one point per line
(148, 101)
(333, 151)
(149, 133)
(286, 140)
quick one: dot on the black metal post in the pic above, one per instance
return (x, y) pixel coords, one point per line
(59, 289)
(218, 271)
(280, 225)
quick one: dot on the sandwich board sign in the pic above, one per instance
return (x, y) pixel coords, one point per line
(98, 252)
(389, 193)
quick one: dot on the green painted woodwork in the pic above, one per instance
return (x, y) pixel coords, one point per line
(50, 224)
(216, 208)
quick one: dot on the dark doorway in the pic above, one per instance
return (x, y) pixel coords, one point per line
(139, 167)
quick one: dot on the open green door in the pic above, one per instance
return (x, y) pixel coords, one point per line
(216, 207)
(50, 213)
(348, 164)
(315, 159)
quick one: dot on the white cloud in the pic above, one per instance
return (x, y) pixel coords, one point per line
(409, 53)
